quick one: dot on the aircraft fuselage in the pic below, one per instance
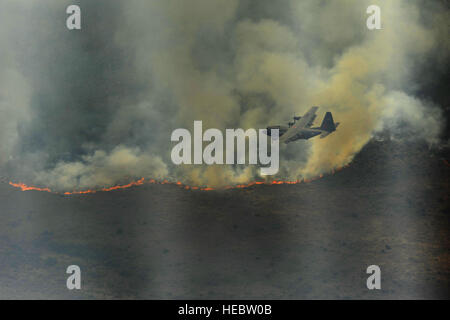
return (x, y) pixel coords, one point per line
(305, 134)
(303, 130)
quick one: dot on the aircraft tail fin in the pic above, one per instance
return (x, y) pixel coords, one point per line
(328, 123)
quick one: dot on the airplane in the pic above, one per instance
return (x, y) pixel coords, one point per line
(303, 130)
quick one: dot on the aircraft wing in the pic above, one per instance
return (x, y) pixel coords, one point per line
(301, 124)
(307, 117)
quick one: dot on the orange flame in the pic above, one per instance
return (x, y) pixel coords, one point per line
(24, 187)
(141, 181)
(129, 185)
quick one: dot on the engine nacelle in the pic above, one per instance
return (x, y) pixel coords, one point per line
(281, 130)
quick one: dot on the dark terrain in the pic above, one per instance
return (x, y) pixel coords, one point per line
(314, 240)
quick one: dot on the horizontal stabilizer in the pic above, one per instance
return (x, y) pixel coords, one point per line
(324, 134)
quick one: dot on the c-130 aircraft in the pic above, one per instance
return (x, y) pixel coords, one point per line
(303, 130)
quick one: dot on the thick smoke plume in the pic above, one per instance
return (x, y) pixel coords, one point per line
(96, 107)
